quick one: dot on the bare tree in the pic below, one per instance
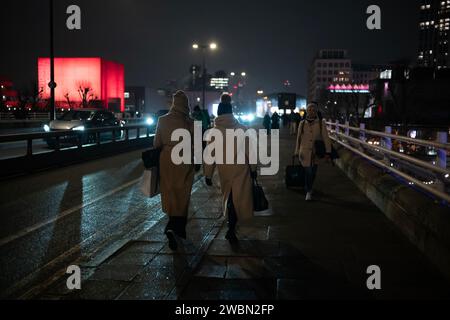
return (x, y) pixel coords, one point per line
(86, 94)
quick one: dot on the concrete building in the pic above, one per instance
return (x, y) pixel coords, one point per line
(330, 66)
(363, 74)
(434, 41)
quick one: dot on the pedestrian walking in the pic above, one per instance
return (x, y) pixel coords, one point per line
(235, 179)
(275, 121)
(293, 123)
(313, 143)
(175, 180)
(267, 123)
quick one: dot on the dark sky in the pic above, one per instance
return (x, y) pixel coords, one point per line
(271, 40)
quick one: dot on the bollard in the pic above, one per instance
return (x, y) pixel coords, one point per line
(362, 133)
(347, 128)
(388, 140)
(442, 153)
(29, 147)
(337, 127)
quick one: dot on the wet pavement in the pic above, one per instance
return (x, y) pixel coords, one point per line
(296, 250)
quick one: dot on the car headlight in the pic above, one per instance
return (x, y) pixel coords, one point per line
(150, 121)
(46, 128)
(79, 128)
(250, 117)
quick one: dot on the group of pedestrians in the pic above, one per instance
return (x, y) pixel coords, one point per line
(291, 121)
(176, 180)
(236, 180)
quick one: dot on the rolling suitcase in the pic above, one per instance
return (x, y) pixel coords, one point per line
(295, 175)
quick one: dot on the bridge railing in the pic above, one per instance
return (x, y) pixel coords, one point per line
(412, 170)
(78, 139)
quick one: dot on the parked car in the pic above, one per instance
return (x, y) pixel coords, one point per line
(81, 120)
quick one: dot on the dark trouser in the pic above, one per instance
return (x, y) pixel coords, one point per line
(232, 216)
(310, 176)
(177, 225)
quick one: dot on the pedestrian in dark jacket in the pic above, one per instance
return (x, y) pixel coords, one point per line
(275, 121)
(267, 123)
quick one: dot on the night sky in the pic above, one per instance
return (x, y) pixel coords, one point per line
(271, 40)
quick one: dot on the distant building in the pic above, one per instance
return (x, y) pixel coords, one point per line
(329, 67)
(363, 73)
(102, 81)
(9, 96)
(135, 100)
(434, 41)
(411, 95)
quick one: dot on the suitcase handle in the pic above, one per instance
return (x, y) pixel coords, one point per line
(293, 159)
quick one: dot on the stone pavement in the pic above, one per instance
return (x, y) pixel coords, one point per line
(298, 250)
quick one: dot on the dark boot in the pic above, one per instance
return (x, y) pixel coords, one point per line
(170, 234)
(180, 227)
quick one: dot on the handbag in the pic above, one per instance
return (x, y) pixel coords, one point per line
(260, 202)
(150, 182)
(151, 158)
(320, 149)
(295, 175)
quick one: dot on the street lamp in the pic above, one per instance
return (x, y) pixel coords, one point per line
(243, 74)
(212, 46)
(52, 83)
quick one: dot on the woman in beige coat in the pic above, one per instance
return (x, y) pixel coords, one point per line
(309, 131)
(175, 180)
(235, 179)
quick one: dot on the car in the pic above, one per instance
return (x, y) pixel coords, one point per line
(81, 120)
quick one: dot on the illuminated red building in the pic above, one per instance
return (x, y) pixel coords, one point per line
(105, 80)
(9, 96)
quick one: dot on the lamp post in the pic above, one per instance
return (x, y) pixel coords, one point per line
(52, 84)
(204, 47)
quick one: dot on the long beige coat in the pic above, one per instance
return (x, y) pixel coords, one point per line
(175, 180)
(234, 178)
(305, 141)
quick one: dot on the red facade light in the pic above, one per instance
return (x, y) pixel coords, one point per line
(106, 80)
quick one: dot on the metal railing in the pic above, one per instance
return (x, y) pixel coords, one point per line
(87, 137)
(398, 163)
(42, 116)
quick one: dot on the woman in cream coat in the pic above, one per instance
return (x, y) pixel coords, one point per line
(310, 130)
(235, 179)
(175, 180)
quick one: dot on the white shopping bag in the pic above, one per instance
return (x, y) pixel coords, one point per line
(150, 182)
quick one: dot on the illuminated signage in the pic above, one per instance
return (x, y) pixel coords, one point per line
(349, 88)
(219, 83)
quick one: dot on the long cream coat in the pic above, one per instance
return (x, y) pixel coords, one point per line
(234, 178)
(305, 141)
(175, 180)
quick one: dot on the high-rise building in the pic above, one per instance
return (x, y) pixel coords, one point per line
(329, 67)
(434, 41)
